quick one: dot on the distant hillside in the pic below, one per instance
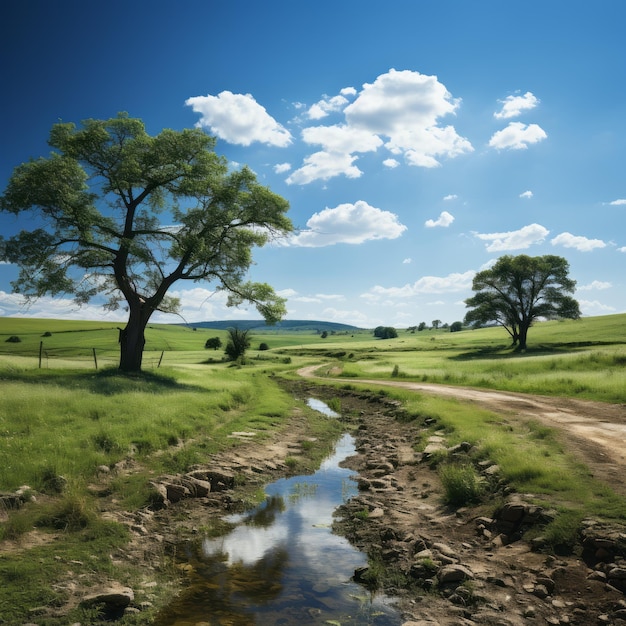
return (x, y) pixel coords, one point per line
(302, 326)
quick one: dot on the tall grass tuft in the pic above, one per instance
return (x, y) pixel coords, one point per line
(461, 482)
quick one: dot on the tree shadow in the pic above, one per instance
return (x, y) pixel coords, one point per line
(106, 382)
(511, 352)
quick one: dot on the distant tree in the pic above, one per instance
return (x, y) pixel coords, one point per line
(213, 343)
(518, 290)
(421, 326)
(324, 334)
(237, 344)
(121, 213)
(455, 327)
(436, 324)
(263, 346)
(385, 332)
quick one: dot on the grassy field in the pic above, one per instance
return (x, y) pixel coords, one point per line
(66, 419)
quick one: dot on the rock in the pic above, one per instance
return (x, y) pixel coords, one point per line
(115, 596)
(445, 549)
(220, 480)
(158, 497)
(454, 573)
(197, 487)
(175, 492)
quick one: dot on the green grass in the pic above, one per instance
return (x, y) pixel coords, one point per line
(67, 418)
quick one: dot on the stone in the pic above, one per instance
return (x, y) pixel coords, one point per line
(445, 549)
(115, 596)
(454, 573)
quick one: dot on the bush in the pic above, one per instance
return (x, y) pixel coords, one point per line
(13, 339)
(263, 346)
(455, 327)
(213, 343)
(238, 343)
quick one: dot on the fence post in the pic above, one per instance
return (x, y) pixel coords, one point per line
(40, 352)
(95, 358)
(162, 353)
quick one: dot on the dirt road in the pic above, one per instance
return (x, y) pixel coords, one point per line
(593, 431)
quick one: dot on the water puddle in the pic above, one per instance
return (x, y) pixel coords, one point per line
(322, 407)
(281, 564)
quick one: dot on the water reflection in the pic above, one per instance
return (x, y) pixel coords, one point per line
(322, 407)
(281, 564)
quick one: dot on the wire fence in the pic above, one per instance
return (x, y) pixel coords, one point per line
(46, 356)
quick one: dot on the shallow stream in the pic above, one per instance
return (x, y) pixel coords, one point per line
(281, 564)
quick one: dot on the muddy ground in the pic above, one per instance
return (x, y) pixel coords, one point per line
(447, 565)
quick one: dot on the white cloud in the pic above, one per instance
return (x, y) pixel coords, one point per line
(407, 261)
(425, 285)
(405, 107)
(391, 163)
(238, 119)
(515, 239)
(444, 220)
(622, 249)
(596, 284)
(517, 136)
(526, 194)
(342, 139)
(582, 244)
(449, 197)
(348, 223)
(593, 307)
(326, 106)
(618, 202)
(512, 106)
(325, 165)
(281, 168)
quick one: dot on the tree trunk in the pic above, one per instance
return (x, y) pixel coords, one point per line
(132, 341)
(523, 333)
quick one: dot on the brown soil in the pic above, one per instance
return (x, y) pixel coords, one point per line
(407, 515)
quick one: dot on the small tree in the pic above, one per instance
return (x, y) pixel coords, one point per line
(436, 324)
(213, 343)
(421, 326)
(324, 334)
(455, 327)
(385, 332)
(518, 290)
(237, 344)
(125, 214)
(263, 346)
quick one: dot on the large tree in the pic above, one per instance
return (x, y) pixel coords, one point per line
(119, 212)
(518, 290)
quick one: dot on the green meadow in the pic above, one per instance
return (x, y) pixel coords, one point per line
(60, 416)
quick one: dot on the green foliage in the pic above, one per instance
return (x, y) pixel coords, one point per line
(263, 346)
(98, 197)
(385, 332)
(518, 290)
(237, 344)
(462, 484)
(213, 343)
(455, 327)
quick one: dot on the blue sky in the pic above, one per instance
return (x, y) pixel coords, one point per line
(415, 141)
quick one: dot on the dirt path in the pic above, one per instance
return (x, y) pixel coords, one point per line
(594, 431)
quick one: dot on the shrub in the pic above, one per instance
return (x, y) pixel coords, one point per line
(238, 343)
(213, 343)
(263, 346)
(13, 339)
